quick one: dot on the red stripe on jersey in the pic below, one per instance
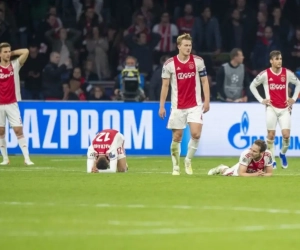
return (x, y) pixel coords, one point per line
(262, 72)
(267, 154)
(248, 155)
(168, 61)
(198, 57)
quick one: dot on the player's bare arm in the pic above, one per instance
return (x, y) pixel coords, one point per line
(243, 172)
(163, 97)
(22, 53)
(206, 91)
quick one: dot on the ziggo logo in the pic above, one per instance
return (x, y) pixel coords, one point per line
(185, 75)
(274, 86)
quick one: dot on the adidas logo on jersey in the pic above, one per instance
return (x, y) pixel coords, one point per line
(270, 79)
(181, 76)
(277, 86)
(178, 68)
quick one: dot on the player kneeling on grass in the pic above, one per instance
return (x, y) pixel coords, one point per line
(256, 161)
(106, 154)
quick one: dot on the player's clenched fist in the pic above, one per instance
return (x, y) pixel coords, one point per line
(162, 112)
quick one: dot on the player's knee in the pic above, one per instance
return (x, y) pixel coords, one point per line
(271, 135)
(2, 131)
(195, 135)
(18, 131)
(177, 135)
(285, 136)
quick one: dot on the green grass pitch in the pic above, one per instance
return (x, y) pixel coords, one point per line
(56, 205)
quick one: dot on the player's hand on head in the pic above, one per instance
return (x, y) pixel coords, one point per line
(162, 112)
(206, 107)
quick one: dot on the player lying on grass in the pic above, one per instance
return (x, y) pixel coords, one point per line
(256, 161)
(106, 154)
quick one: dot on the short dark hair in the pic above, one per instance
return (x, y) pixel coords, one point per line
(4, 45)
(274, 53)
(262, 144)
(234, 52)
(102, 163)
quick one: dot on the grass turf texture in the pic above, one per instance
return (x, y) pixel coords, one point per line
(56, 205)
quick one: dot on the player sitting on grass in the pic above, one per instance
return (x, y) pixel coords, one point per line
(256, 161)
(106, 154)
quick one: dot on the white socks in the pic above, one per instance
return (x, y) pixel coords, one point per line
(285, 145)
(3, 148)
(192, 148)
(23, 145)
(270, 144)
(175, 154)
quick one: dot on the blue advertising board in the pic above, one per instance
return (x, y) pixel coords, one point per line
(69, 127)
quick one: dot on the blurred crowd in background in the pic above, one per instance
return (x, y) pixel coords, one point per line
(114, 49)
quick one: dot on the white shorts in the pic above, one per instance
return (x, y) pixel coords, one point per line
(282, 116)
(180, 117)
(12, 113)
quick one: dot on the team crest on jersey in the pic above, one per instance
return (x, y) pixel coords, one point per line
(10, 68)
(191, 65)
(282, 78)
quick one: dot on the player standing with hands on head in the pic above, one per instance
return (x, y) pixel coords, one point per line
(185, 72)
(9, 97)
(275, 81)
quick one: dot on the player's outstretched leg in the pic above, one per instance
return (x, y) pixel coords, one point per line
(175, 154)
(3, 149)
(218, 170)
(270, 144)
(285, 146)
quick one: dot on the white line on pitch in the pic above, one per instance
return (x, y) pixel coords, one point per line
(158, 231)
(143, 206)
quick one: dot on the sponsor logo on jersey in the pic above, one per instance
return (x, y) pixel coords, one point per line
(181, 76)
(274, 86)
(3, 76)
